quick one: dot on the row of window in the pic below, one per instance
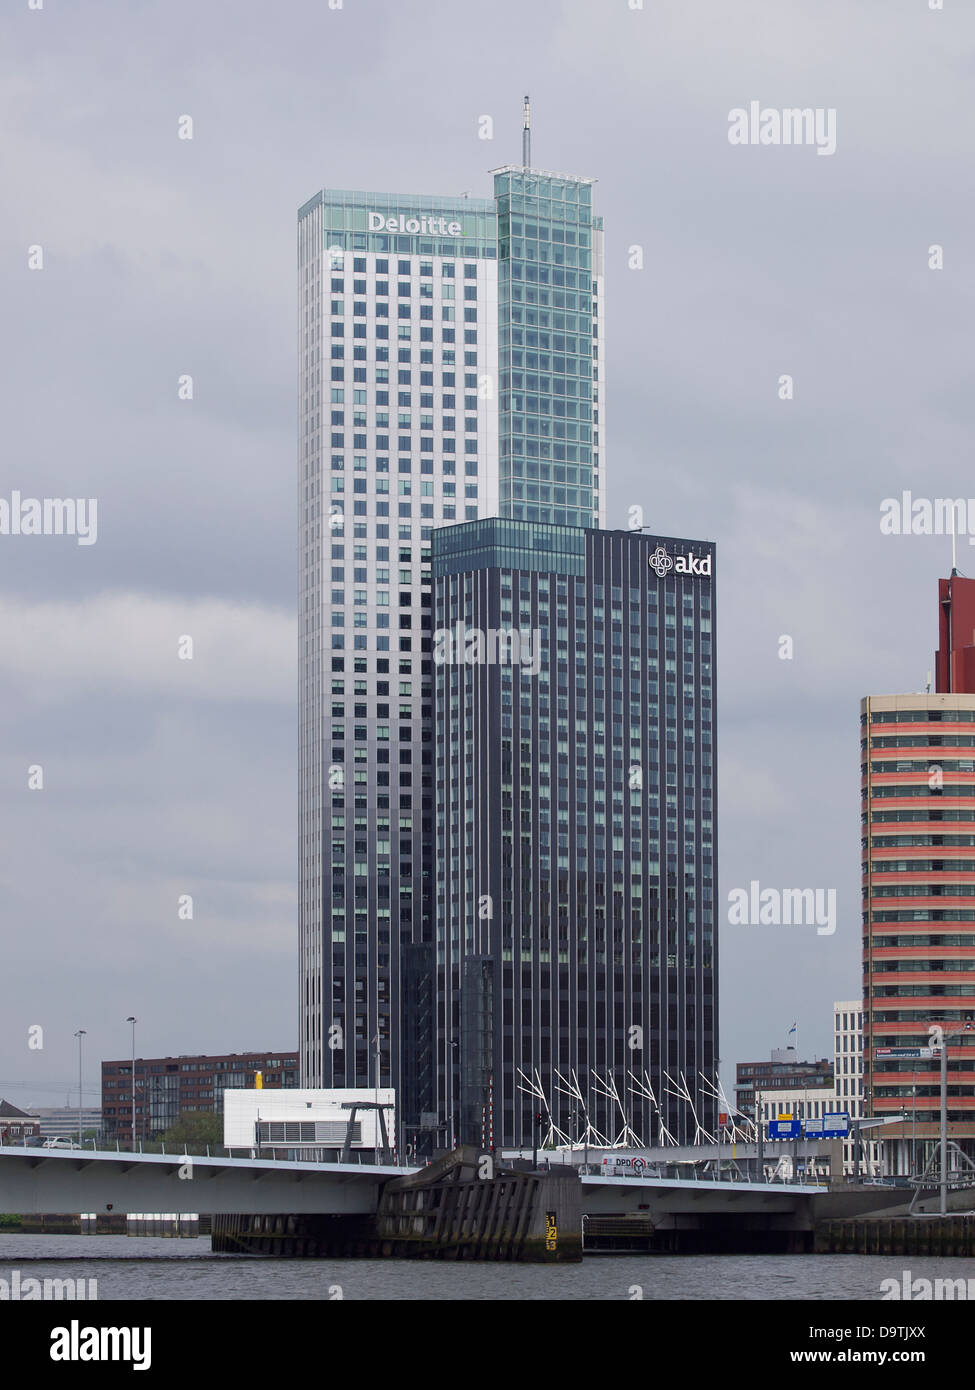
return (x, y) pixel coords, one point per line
(934, 716)
(889, 967)
(921, 890)
(923, 765)
(934, 915)
(405, 509)
(404, 268)
(380, 486)
(404, 356)
(926, 991)
(404, 334)
(915, 866)
(916, 789)
(896, 841)
(404, 311)
(921, 741)
(405, 289)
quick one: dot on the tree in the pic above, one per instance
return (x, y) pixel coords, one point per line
(195, 1128)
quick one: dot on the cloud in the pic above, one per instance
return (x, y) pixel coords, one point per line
(165, 257)
(118, 643)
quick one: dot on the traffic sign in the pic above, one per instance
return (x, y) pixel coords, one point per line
(784, 1129)
(834, 1125)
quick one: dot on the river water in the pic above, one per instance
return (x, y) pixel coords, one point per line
(127, 1267)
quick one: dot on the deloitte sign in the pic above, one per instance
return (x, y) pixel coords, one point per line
(426, 226)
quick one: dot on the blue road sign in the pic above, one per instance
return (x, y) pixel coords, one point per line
(784, 1129)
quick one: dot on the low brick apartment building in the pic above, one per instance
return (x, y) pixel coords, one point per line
(167, 1087)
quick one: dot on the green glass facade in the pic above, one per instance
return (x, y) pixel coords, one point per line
(548, 354)
(500, 542)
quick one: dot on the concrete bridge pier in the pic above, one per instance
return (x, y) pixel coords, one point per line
(462, 1207)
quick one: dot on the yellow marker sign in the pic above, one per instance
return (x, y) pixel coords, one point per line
(258, 1081)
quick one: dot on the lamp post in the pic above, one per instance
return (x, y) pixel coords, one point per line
(914, 1128)
(79, 1035)
(943, 1207)
(451, 1070)
(717, 1113)
(758, 1135)
(943, 1034)
(377, 1040)
(131, 1019)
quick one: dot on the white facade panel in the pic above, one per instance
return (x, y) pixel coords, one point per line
(243, 1109)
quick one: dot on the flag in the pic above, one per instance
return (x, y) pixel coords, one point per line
(793, 1028)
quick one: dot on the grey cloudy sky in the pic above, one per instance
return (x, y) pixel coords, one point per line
(164, 257)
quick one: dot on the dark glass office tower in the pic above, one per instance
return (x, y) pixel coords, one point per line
(576, 854)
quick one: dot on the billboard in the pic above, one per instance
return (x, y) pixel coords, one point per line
(907, 1052)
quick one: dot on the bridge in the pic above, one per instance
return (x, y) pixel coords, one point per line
(310, 1208)
(34, 1181)
(72, 1180)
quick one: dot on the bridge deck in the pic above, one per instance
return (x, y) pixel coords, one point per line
(72, 1180)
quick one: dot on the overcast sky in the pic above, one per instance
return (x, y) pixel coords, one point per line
(164, 256)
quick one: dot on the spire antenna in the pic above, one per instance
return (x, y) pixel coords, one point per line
(526, 137)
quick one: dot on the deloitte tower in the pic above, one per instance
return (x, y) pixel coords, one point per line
(450, 354)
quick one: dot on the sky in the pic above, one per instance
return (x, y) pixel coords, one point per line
(130, 258)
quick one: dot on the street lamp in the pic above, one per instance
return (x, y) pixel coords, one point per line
(133, 1021)
(717, 1112)
(379, 1061)
(967, 1027)
(79, 1035)
(914, 1127)
(451, 1070)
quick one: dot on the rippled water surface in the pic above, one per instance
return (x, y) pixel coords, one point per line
(127, 1267)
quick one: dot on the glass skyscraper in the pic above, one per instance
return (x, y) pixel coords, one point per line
(549, 339)
(576, 852)
(449, 369)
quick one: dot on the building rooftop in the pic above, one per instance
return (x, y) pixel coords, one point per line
(10, 1112)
